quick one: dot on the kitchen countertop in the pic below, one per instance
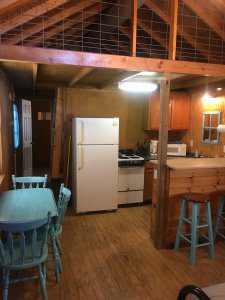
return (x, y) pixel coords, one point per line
(194, 163)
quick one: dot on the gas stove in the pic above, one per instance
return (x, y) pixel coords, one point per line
(129, 159)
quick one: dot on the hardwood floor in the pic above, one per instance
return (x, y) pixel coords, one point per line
(109, 256)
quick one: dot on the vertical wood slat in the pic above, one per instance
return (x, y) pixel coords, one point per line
(56, 147)
(173, 29)
(33, 242)
(10, 246)
(162, 159)
(133, 39)
(22, 246)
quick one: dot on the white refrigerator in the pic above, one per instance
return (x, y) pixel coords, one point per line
(95, 164)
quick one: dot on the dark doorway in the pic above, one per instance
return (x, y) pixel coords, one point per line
(41, 122)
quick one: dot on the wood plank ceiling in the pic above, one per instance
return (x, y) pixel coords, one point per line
(106, 26)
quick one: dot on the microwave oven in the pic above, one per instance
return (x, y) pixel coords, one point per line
(176, 149)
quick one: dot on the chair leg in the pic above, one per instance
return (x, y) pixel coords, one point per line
(43, 283)
(210, 232)
(219, 213)
(58, 244)
(60, 264)
(195, 208)
(6, 274)
(198, 221)
(55, 259)
(180, 224)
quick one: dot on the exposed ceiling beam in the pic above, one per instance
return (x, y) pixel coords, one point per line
(30, 14)
(150, 4)
(35, 72)
(126, 32)
(7, 5)
(43, 84)
(173, 29)
(74, 58)
(219, 4)
(119, 44)
(158, 36)
(133, 39)
(109, 22)
(206, 16)
(49, 22)
(123, 75)
(194, 82)
(80, 74)
(87, 20)
(181, 30)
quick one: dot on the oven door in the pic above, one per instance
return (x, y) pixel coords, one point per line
(131, 178)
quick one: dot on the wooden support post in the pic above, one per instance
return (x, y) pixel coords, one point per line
(133, 39)
(35, 71)
(173, 29)
(162, 159)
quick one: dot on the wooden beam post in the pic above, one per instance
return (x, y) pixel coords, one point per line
(162, 159)
(133, 38)
(35, 71)
(173, 29)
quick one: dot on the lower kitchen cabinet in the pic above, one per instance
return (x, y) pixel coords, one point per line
(148, 181)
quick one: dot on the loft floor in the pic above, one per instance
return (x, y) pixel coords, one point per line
(110, 256)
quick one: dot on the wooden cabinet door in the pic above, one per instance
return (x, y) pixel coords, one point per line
(180, 111)
(154, 112)
(148, 180)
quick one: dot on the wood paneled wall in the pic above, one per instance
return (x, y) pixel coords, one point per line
(6, 148)
(195, 131)
(109, 103)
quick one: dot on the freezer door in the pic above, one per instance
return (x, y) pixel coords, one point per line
(97, 178)
(97, 131)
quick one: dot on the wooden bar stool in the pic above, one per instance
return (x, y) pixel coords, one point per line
(220, 216)
(196, 199)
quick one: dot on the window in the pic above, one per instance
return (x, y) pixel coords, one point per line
(15, 126)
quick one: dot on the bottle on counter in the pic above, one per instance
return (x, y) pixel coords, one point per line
(196, 153)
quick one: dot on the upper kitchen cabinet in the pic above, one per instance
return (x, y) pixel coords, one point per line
(179, 111)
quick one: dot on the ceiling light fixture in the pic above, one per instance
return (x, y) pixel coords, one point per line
(219, 89)
(137, 86)
(207, 99)
(146, 73)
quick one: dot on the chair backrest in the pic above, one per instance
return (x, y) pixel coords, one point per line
(29, 182)
(23, 243)
(64, 197)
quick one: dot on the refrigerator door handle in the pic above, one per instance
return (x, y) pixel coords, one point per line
(80, 132)
(80, 158)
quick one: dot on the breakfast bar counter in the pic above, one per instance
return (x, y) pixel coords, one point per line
(195, 163)
(197, 175)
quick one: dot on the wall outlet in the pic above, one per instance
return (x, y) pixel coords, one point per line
(224, 149)
(191, 143)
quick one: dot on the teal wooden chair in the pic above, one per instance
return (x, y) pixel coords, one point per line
(197, 222)
(29, 182)
(64, 197)
(24, 249)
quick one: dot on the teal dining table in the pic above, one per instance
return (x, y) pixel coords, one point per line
(27, 204)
